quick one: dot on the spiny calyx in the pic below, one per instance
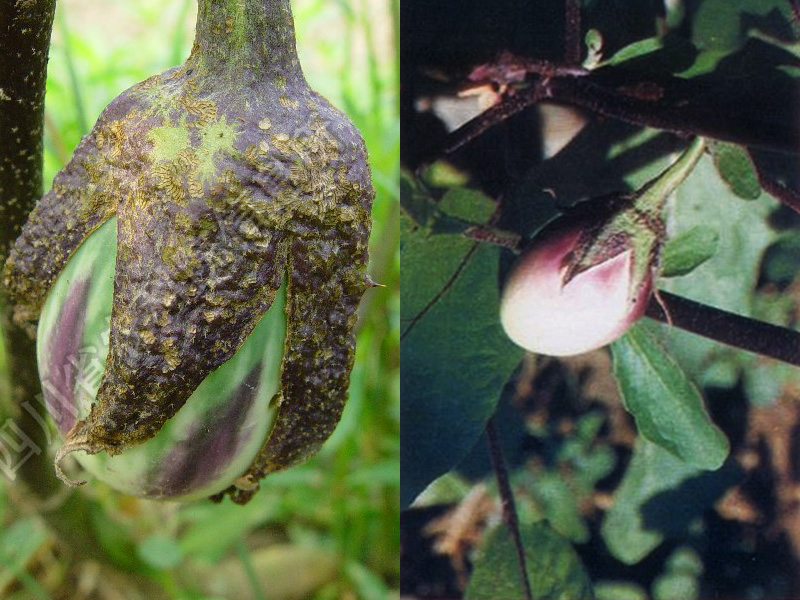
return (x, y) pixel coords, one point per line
(631, 222)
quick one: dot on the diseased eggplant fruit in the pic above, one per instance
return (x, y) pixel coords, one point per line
(210, 441)
(222, 187)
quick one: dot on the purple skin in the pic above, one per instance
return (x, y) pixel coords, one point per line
(63, 347)
(199, 459)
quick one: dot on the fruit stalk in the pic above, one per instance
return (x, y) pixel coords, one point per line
(250, 38)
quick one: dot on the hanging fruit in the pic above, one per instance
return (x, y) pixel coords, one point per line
(224, 181)
(588, 276)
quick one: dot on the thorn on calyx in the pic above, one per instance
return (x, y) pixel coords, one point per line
(61, 454)
(370, 283)
(663, 306)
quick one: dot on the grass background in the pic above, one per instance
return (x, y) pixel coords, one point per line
(326, 529)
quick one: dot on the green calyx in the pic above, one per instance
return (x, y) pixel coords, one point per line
(634, 222)
(226, 177)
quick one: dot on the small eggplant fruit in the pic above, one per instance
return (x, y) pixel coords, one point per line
(544, 313)
(588, 276)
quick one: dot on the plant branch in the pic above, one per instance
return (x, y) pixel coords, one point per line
(25, 27)
(726, 327)
(785, 195)
(507, 499)
(24, 44)
(572, 33)
(507, 108)
(683, 106)
(674, 105)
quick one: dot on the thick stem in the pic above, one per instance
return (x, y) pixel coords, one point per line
(678, 106)
(24, 44)
(25, 28)
(728, 328)
(572, 32)
(784, 194)
(672, 104)
(256, 36)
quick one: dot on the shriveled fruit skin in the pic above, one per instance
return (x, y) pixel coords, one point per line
(544, 313)
(228, 177)
(211, 440)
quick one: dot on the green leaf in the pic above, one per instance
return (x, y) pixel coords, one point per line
(667, 407)
(594, 48)
(429, 262)
(705, 63)
(407, 225)
(684, 253)
(684, 560)
(458, 210)
(658, 498)
(737, 169)
(455, 356)
(450, 488)
(552, 497)
(558, 491)
(721, 24)
(160, 551)
(470, 205)
(416, 203)
(618, 590)
(210, 530)
(461, 209)
(444, 175)
(790, 70)
(676, 585)
(554, 569)
(19, 543)
(367, 583)
(634, 50)
(116, 540)
(721, 27)
(680, 578)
